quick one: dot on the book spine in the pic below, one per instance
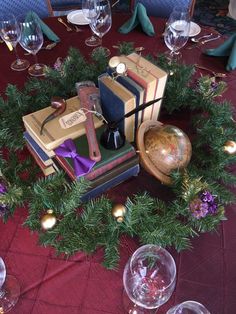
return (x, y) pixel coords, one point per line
(47, 170)
(97, 172)
(93, 174)
(37, 149)
(133, 171)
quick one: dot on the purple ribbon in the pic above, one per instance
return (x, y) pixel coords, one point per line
(82, 165)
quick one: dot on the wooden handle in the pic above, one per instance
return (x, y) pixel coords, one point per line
(85, 102)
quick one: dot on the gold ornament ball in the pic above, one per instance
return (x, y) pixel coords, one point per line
(230, 147)
(118, 212)
(48, 220)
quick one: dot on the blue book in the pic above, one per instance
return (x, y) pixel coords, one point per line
(116, 101)
(138, 91)
(121, 177)
(38, 150)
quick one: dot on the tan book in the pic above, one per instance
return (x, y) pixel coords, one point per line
(53, 133)
(161, 79)
(143, 78)
(116, 101)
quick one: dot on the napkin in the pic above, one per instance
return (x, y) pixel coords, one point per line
(228, 48)
(139, 17)
(45, 29)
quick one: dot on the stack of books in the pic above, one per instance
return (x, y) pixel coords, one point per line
(144, 82)
(113, 168)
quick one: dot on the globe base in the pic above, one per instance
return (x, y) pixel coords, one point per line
(9, 294)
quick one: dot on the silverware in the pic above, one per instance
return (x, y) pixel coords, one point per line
(68, 28)
(137, 49)
(196, 40)
(47, 47)
(203, 42)
(215, 74)
(77, 29)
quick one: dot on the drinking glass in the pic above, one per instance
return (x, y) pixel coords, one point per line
(102, 24)
(149, 279)
(89, 8)
(10, 33)
(9, 289)
(177, 32)
(188, 307)
(31, 40)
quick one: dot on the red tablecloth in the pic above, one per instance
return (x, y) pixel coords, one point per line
(51, 285)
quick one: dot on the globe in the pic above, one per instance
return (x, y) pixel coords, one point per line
(163, 148)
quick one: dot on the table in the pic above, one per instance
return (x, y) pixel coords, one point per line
(52, 285)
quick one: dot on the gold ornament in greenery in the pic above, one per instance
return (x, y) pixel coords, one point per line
(209, 88)
(118, 212)
(48, 220)
(230, 147)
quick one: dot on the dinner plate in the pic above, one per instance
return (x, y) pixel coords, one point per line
(77, 17)
(195, 29)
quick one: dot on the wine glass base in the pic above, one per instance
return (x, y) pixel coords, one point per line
(132, 308)
(9, 294)
(173, 56)
(93, 41)
(20, 65)
(37, 69)
(103, 50)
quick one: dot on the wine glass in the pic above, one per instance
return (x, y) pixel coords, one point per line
(177, 32)
(31, 40)
(102, 24)
(188, 307)
(89, 8)
(10, 33)
(9, 289)
(149, 279)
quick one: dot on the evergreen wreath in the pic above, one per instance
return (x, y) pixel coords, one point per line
(201, 191)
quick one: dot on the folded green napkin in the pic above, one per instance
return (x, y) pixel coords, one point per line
(139, 17)
(45, 29)
(228, 49)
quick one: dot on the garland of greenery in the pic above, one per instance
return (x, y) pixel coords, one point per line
(91, 225)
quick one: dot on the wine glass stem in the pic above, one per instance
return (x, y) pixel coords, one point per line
(36, 58)
(2, 293)
(16, 53)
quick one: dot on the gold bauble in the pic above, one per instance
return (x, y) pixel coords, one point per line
(230, 147)
(118, 212)
(48, 220)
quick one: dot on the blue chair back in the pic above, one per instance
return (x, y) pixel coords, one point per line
(17, 7)
(66, 4)
(163, 8)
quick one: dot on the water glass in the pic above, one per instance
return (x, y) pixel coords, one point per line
(188, 307)
(90, 12)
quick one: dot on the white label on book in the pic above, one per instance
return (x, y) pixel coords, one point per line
(72, 119)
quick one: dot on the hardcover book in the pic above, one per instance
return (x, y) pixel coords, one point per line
(53, 134)
(116, 101)
(138, 91)
(161, 77)
(114, 181)
(109, 160)
(38, 150)
(144, 78)
(47, 170)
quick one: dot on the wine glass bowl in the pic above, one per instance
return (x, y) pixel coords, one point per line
(9, 289)
(188, 307)
(32, 40)
(102, 23)
(10, 33)
(177, 33)
(149, 279)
